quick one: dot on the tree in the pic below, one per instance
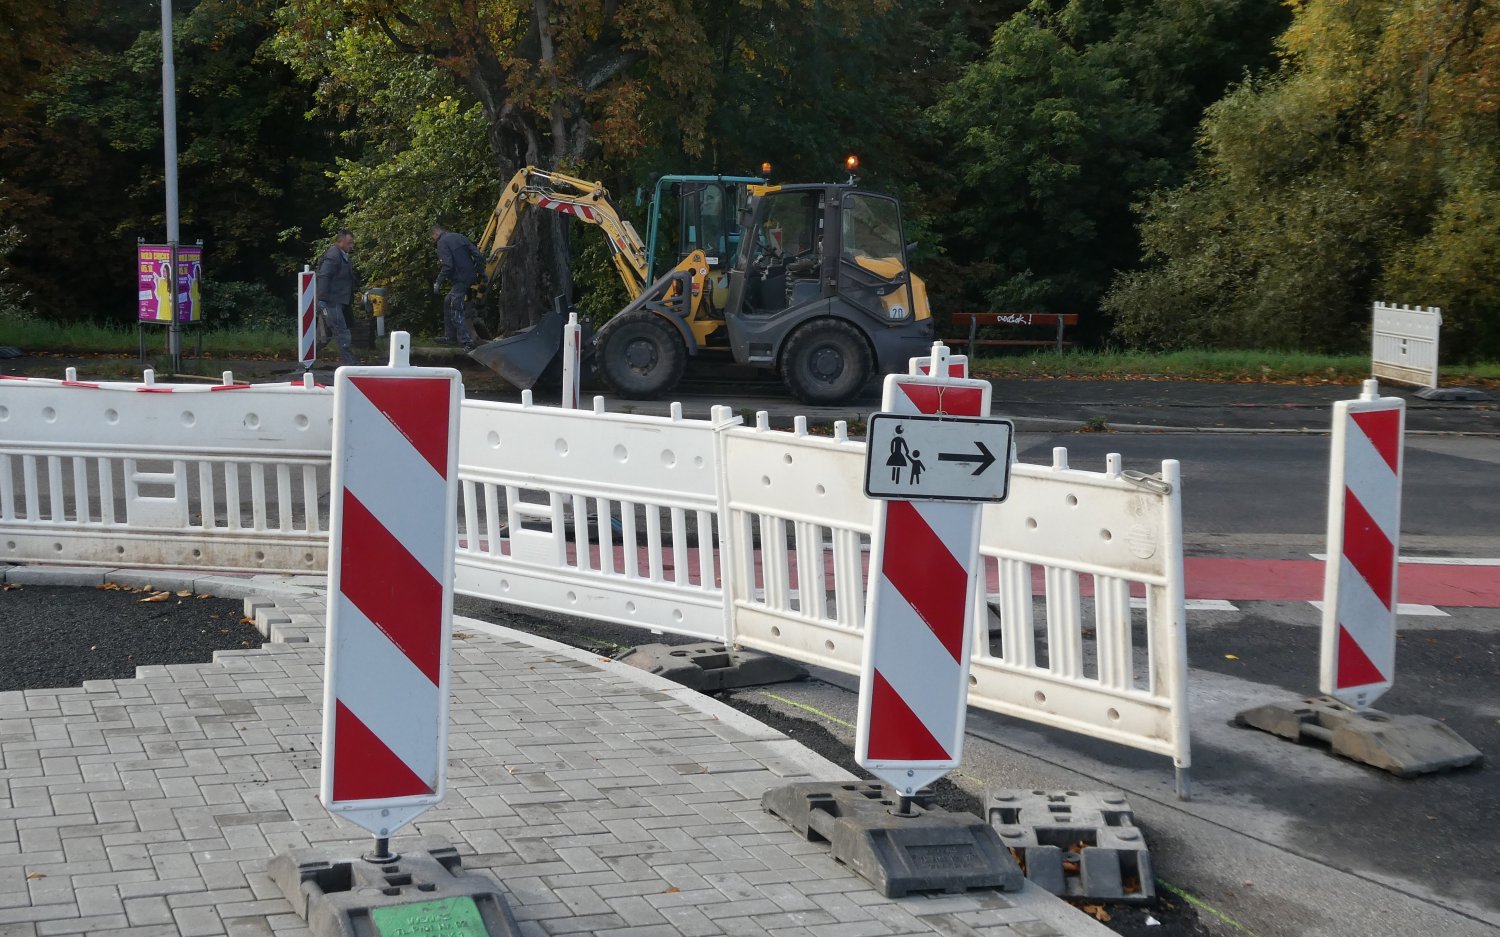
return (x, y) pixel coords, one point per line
(42, 39)
(1368, 164)
(553, 79)
(421, 156)
(1077, 110)
(87, 160)
(619, 90)
(11, 297)
(1051, 143)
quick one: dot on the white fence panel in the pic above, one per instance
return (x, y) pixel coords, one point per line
(213, 477)
(800, 524)
(1074, 544)
(1405, 344)
(1088, 542)
(606, 516)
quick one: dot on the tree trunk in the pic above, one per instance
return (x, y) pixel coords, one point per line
(537, 268)
(534, 266)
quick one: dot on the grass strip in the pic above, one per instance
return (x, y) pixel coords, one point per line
(1249, 366)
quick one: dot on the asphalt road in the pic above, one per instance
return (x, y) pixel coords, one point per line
(1243, 483)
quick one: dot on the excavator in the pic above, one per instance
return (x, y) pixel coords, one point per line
(706, 210)
(809, 281)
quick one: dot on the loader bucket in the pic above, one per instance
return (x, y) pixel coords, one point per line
(524, 357)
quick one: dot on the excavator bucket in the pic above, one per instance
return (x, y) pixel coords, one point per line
(531, 356)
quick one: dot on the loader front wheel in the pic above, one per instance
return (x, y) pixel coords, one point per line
(826, 362)
(640, 356)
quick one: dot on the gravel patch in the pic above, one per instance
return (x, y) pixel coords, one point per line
(60, 636)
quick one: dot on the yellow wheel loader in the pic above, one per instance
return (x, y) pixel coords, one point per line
(808, 281)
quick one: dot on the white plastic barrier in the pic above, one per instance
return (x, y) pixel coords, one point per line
(800, 500)
(1404, 344)
(701, 528)
(1083, 540)
(1093, 540)
(220, 477)
(607, 516)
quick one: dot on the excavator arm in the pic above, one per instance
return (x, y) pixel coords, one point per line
(589, 202)
(674, 302)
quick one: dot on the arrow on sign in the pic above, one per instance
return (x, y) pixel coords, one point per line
(983, 457)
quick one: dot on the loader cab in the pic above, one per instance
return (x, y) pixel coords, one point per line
(807, 243)
(691, 213)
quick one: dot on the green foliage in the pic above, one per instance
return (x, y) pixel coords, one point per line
(1026, 137)
(1077, 110)
(424, 160)
(234, 304)
(623, 92)
(12, 297)
(85, 157)
(1051, 144)
(1368, 168)
(599, 290)
(1456, 266)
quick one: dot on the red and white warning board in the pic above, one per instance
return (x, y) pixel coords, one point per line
(390, 590)
(924, 555)
(307, 322)
(1364, 530)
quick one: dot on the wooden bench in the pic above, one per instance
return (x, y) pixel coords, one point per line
(974, 320)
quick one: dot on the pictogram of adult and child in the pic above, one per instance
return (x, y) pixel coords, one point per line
(904, 457)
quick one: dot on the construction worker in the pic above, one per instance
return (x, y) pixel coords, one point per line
(460, 260)
(336, 281)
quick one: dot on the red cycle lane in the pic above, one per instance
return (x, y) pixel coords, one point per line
(1461, 586)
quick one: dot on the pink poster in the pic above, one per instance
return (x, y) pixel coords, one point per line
(154, 297)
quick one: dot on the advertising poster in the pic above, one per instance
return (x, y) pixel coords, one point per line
(189, 284)
(154, 297)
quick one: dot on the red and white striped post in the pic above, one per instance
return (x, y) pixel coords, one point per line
(924, 555)
(1364, 532)
(307, 317)
(390, 591)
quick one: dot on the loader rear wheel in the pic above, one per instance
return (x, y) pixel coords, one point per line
(826, 362)
(640, 356)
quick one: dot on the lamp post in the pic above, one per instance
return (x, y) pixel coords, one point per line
(169, 140)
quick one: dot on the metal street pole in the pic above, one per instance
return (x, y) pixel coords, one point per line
(169, 139)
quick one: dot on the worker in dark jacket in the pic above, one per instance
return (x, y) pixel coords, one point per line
(336, 282)
(460, 260)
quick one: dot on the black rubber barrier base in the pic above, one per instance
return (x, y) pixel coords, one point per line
(1078, 844)
(1406, 746)
(425, 891)
(929, 849)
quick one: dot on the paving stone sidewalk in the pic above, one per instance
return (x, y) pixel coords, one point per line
(604, 800)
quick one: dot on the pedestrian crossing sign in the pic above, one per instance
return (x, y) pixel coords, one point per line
(938, 458)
